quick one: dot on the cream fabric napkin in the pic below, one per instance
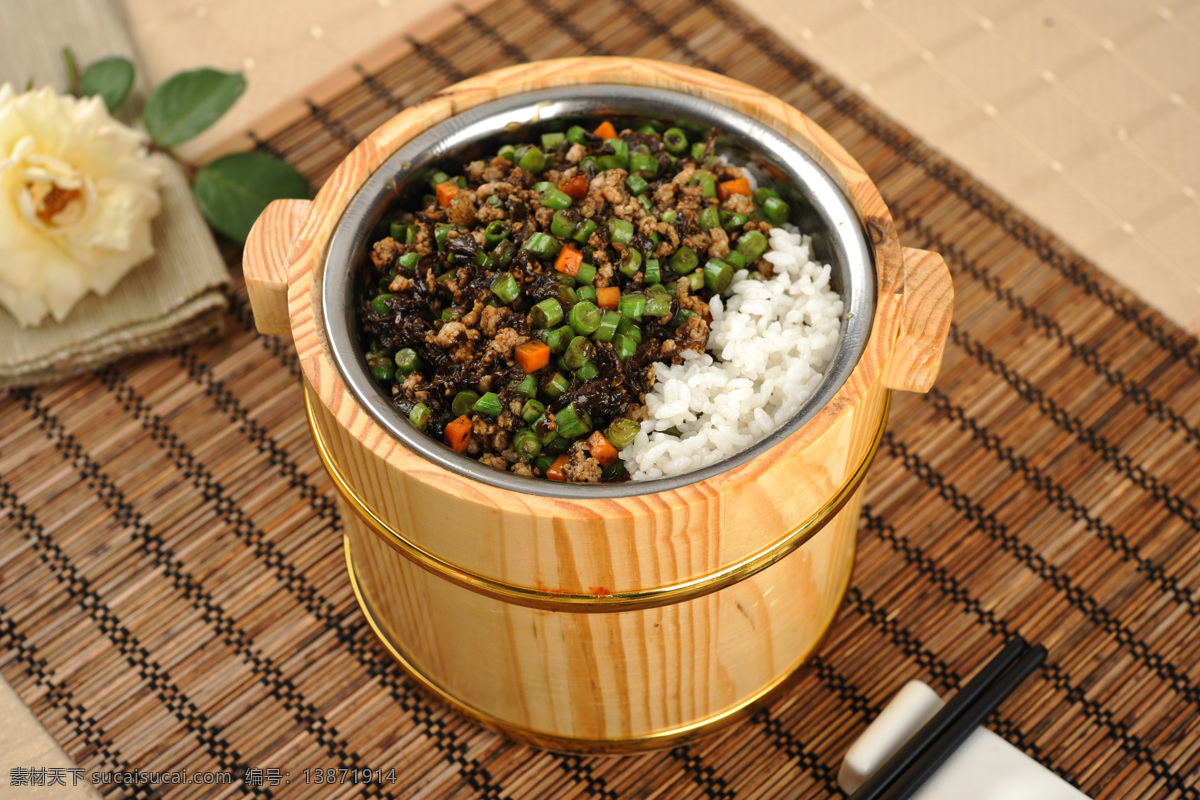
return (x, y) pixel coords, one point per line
(172, 298)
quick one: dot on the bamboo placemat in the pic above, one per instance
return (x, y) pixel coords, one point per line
(173, 593)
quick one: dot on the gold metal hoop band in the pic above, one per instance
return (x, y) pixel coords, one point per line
(594, 603)
(568, 744)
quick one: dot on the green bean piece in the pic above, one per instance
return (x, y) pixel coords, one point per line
(379, 304)
(496, 231)
(408, 260)
(576, 135)
(526, 443)
(733, 221)
(508, 151)
(428, 200)
(484, 260)
(542, 186)
(547, 313)
(684, 260)
(407, 360)
(627, 327)
(620, 231)
(652, 273)
(565, 279)
(776, 211)
(681, 317)
(506, 288)
(658, 305)
(611, 162)
(624, 345)
(566, 295)
(643, 164)
(632, 306)
(504, 253)
(527, 387)
(419, 416)
(562, 225)
(572, 422)
(545, 430)
(586, 274)
(588, 371)
(636, 183)
(590, 165)
(669, 216)
(552, 140)
(707, 183)
(698, 149)
(543, 463)
(494, 200)
(533, 160)
(578, 351)
(386, 279)
(556, 198)
(398, 231)
(710, 217)
(532, 410)
(379, 362)
(441, 233)
(657, 289)
(631, 263)
(620, 151)
(558, 445)
(622, 432)
(696, 280)
(436, 178)
(585, 293)
(555, 385)
(717, 275)
(646, 202)
(488, 403)
(762, 193)
(648, 130)
(558, 338)
(751, 245)
(585, 317)
(584, 231)
(675, 141)
(542, 245)
(736, 260)
(463, 402)
(608, 326)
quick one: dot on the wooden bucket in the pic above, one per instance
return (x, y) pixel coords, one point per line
(601, 624)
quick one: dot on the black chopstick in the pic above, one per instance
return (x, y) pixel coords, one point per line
(928, 748)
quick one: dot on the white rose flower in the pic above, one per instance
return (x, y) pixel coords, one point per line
(77, 193)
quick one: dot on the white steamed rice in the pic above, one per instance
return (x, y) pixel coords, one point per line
(773, 340)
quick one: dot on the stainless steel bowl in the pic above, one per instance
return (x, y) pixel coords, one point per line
(819, 209)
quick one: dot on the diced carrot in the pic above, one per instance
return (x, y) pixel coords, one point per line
(608, 297)
(555, 473)
(533, 355)
(445, 192)
(726, 189)
(458, 433)
(601, 449)
(576, 186)
(568, 261)
(605, 130)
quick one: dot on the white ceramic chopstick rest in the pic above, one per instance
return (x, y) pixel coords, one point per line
(985, 766)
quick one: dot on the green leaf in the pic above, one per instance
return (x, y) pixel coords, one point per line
(188, 102)
(111, 78)
(233, 190)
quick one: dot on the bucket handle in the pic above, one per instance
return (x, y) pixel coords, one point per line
(266, 259)
(926, 305)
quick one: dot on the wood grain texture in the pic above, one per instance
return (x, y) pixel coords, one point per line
(599, 546)
(265, 262)
(926, 307)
